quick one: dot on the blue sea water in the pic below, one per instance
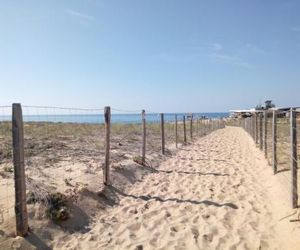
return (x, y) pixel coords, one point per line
(115, 118)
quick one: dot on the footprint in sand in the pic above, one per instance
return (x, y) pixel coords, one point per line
(195, 232)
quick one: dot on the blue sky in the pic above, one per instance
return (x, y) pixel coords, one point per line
(161, 55)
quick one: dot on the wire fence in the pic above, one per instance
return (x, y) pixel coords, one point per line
(69, 152)
(276, 133)
(7, 195)
(53, 141)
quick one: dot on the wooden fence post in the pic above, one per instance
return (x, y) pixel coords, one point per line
(260, 132)
(162, 125)
(274, 142)
(256, 128)
(107, 116)
(144, 137)
(176, 131)
(191, 128)
(200, 126)
(253, 127)
(265, 133)
(184, 130)
(19, 171)
(293, 132)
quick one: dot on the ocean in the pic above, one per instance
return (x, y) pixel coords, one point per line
(115, 118)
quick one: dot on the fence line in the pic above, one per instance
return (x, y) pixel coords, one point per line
(277, 138)
(61, 108)
(45, 142)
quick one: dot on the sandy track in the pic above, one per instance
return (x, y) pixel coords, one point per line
(210, 195)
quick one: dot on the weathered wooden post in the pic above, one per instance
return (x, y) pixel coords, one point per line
(184, 130)
(265, 133)
(260, 132)
(274, 142)
(191, 128)
(256, 128)
(19, 171)
(201, 127)
(144, 137)
(107, 117)
(253, 127)
(294, 164)
(162, 129)
(176, 131)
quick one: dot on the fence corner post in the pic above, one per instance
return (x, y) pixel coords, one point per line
(107, 117)
(19, 171)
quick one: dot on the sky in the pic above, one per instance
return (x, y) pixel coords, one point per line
(158, 55)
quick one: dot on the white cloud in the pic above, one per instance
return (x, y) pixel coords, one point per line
(253, 48)
(208, 47)
(228, 59)
(175, 57)
(80, 15)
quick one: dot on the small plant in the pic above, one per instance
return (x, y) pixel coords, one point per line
(56, 204)
(68, 181)
(138, 159)
(58, 210)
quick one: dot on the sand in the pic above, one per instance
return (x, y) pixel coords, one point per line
(216, 193)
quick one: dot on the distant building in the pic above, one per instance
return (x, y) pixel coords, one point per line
(268, 105)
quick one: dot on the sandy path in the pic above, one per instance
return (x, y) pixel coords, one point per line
(210, 195)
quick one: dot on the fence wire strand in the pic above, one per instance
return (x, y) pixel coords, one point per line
(64, 152)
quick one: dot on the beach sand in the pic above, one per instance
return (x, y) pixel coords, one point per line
(216, 193)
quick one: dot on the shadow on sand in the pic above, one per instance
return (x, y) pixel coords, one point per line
(34, 240)
(147, 166)
(157, 198)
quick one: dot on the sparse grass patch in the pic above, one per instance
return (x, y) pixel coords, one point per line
(138, 159)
